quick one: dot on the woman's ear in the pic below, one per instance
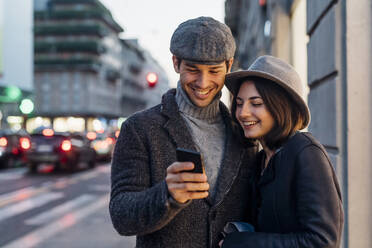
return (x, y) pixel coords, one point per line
(175, 64)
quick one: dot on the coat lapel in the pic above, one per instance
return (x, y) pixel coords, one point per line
(269, 173)
(176, 125)
(231, 162)
(273, 166)
(268, 176)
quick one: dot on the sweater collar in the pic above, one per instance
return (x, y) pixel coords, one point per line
(210, 112)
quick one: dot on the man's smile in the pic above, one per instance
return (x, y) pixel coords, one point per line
(201, 93)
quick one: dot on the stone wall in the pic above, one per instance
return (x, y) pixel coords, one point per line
(340, 81)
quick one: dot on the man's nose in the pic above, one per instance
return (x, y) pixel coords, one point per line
(202, 81)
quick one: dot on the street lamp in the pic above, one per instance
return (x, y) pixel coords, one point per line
(26, 106)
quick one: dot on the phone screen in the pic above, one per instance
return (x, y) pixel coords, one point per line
(185, 155)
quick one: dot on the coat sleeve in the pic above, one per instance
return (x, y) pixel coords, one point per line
(319, 209)
(137, 207)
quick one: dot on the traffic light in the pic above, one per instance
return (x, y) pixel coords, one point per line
(26, 106)
(13, 92)
(152, 79)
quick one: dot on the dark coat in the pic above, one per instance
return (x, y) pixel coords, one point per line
(140, 204)
(298, 200)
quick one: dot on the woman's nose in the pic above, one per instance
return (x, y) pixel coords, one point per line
(245, 111)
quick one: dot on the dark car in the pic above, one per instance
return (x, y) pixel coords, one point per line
(13, 145)
(64, 150)
(103, 144)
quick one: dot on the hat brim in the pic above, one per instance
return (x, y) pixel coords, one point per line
(233, 81)
(193, 62)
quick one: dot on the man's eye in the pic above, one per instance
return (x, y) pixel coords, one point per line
(214, 72)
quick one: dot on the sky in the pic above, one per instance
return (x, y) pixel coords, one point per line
(153, 22)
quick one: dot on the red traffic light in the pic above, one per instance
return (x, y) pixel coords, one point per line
(152, 79)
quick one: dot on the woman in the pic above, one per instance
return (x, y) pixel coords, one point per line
(297, 199)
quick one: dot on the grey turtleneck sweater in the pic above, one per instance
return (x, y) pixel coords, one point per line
(208, 132)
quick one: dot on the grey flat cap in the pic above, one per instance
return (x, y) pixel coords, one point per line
(203, 40)
(279, 72)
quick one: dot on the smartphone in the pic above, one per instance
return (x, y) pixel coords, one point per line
(185, 155)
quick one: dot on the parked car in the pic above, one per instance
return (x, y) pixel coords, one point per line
(13, 145)
(64, 150)
(103, 144)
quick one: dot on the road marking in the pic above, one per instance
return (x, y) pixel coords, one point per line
(28, 204)
(101, 187)
(13, 174)
(60, 210)
(39, 235)
(20, 195)
(104, 169)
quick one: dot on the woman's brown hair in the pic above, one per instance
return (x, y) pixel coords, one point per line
(286, 113)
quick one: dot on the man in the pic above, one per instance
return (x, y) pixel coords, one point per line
(155, 197)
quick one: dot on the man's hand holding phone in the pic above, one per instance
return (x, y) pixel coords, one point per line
(184, 181)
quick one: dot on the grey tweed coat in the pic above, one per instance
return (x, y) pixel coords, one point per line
(140, 204)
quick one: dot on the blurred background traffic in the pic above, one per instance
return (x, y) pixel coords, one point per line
(65, 68)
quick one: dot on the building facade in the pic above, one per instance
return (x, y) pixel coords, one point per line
(77, 59)
(329, 42)
(136, 92)
(83, 69)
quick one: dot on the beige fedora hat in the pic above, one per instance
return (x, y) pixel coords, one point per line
(276, 70)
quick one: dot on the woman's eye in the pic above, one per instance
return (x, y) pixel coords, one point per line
(239, 104)
(257, 104)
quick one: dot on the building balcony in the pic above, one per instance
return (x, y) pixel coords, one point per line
(112, 75)
(63, 29)
(94, 47)
(72, 63)
(78, 9)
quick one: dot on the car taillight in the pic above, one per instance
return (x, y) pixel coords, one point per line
(110, 140)
(91, 135)
(15, 151)
(66, 145)
(48, 132)
(25, 143)
(3, 141)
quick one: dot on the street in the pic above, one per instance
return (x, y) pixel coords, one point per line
(57, 209)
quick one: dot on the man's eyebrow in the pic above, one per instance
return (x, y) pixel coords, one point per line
(190, 65)
(216, 67)
(210, 68)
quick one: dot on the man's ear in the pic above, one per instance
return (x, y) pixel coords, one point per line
(231, 61)
(175, 64)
